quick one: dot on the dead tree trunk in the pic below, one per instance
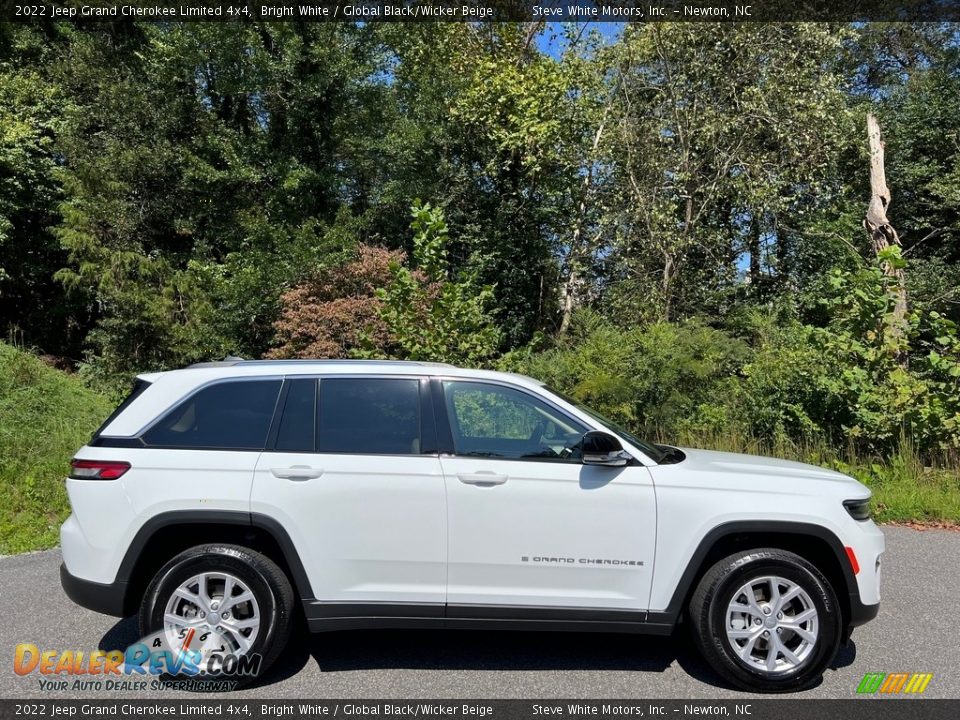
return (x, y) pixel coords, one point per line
(883, 235)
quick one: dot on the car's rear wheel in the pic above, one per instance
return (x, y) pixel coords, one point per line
(229, 605)
(766, 620)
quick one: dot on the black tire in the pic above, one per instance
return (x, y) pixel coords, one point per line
(708, 610)
(268, 583)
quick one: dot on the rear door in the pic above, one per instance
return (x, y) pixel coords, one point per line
(351, 472)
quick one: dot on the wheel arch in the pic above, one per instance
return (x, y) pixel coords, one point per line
(814, 543)
(167, 534)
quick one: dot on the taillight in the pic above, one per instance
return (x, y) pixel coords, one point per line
(97, 469)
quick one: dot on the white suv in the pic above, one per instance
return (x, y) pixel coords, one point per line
(229, 497)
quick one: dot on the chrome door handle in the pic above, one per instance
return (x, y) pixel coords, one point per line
(482, 478)
(297, 472)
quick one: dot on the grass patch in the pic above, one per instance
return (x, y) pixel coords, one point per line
(45, 415)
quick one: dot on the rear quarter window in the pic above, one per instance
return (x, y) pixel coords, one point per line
(227, 415)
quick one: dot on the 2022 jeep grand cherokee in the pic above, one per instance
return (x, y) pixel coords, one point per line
(226, 497)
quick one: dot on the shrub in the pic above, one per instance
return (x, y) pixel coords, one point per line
(45, 415)
(649, 378)
(330, 315)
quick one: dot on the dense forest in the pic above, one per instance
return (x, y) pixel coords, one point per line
(664, 220)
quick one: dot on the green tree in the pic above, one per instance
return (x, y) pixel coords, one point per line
(431, 315)
(725, 132)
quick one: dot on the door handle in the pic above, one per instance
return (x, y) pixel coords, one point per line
(482, 478)
(297, 472)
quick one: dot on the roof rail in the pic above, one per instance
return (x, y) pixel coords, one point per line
(342, 361)
(228, 361)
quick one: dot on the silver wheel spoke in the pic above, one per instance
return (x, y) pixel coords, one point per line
(228, 585)
(788, 596)
(238, 600)
(775, 600)
(786, 652)
(190, 597)
(741, 608)
(772, 653)
(801, 632)
(802, 617)
(202, 590)
(242, 642)
(240, 624)
(747, 650)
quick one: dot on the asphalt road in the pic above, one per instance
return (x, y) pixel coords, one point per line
(916, 631)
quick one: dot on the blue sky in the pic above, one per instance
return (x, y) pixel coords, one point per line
(551, 41)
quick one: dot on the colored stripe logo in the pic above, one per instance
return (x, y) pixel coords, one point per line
(894, 683)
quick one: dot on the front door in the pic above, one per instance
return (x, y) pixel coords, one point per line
(529, 524)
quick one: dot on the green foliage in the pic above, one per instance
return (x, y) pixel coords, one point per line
(430, 315)
(886, 397)
(32, 306)
(648, 378)
(45, 416)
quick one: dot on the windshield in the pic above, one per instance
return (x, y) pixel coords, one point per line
(654, 452)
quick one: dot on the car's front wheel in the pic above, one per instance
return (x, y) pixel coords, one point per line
(229, 606)
(767, 620)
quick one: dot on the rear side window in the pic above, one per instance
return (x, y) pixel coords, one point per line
(370, 416)
(228, 415)
(297, 430)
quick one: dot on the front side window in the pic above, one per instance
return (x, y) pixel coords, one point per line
(370, 416)
(497, 421)
(231, 415)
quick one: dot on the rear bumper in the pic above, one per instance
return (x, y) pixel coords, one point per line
(99, 597)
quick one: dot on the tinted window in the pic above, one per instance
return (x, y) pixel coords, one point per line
(296, 431)
(497, 421)
(370, 416)
(225, 415)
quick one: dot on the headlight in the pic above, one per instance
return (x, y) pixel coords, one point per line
(859, 509)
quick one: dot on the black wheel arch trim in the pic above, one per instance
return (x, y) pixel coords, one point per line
(857, 613)
(111, 598)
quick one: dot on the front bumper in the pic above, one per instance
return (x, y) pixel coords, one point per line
(861, 614)
(109, 599)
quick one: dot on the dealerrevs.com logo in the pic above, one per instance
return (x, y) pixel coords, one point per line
(201, 661)
(894, 683)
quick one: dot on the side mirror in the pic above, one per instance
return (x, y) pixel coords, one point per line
(600, 448)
